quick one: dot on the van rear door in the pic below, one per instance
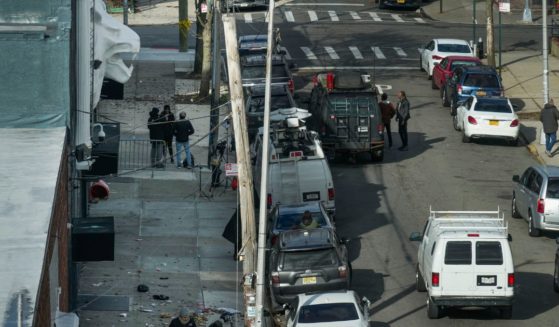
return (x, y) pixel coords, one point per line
(316, 182)
(457, 276)
(490, 269)
(552, 201)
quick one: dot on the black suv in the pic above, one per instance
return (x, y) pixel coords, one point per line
(471, 80)
(308, 260)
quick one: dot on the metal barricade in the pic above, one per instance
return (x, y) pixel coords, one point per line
(141, 154)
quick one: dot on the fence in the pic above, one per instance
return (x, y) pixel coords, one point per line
(141, 154)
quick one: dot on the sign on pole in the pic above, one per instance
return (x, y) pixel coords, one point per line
(504, 6)
(231, 169)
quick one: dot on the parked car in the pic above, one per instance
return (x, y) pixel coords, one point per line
(341, 308)
(438, 49)
(258, 44)
(400, 4)
(487, 117)
(280, 98)
(535, 197)
(556, 270)
(467, 81)
(465, 260)
(285, 217)
(235, 5)
(253, 71)
(308, 260)
(444, 69)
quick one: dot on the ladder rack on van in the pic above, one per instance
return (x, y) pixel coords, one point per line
(471, 221)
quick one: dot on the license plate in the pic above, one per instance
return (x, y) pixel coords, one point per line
(486, 280)
(311, 196)
(494, 122)
(362, 129)
(309, 280)
(481, 93)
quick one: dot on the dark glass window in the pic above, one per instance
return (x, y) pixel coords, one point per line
(302, 260)
(493, 106)
(482, 80)
(553, 188)
(458, 48)
(489, 253)
(463, 63)
(458, 253)
(328, 312)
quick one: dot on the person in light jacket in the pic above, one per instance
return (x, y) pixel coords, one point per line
(402, 116)
(549, 116)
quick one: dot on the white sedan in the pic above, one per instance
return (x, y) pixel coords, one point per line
(487, 117)
(331, 309)
(437, 49)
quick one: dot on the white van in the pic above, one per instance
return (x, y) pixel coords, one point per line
(465, 260)
(298, 171)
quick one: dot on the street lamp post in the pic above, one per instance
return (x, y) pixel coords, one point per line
(545, 53)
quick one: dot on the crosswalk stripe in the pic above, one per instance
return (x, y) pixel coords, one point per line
(354, 15)
(419, 20)
(308, 52)
(266, 18)
(289, 16)
(287, 55)
(312, 16)
(378, 53)
(333, 16)
(397, 18)
(375, 17)
(332, 52)
(248, 18)
(400, 52)
(356, 53)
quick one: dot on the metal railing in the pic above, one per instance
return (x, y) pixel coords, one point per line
(141, 154)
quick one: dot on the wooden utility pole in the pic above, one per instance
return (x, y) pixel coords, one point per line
(241, 144)
(490, 35)
(184, 25)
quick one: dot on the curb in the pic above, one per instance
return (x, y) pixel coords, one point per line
(531, 148)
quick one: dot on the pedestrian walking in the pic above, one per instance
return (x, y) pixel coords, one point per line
(168, 130)
(549, 116)
(156, 137)
(183, 320)
(402, 116)
(387, 112)
(183, 129)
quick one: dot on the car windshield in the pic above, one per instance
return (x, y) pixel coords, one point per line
(482, 80)
(456, 48)
(463, 63)
(277, 102)
(328, 312)
(278, 71)
(493, 106)
(303, 260)
(291, 220)
(553, 188)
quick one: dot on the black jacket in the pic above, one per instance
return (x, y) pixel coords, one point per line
(183, 129)
(169, 126)
(549, 116)
(155, 127)
(177, 323)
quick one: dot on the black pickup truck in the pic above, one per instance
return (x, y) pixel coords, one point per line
(253, 71)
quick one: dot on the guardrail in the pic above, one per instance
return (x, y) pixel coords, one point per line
(141, 154)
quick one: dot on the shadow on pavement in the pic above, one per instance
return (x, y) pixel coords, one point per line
(530, 133)
(368, 283)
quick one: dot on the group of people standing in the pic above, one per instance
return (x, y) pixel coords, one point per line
(162, 128)
(402, 113)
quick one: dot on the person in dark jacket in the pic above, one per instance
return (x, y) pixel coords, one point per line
(402, 117)
(156, 136)
(549, 116)
(183, 129)
(183, 320)
(387, 112)
(168, 129)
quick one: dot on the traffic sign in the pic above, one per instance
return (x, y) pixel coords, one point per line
(231, 169)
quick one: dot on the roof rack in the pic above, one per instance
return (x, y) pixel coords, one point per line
(471, 221)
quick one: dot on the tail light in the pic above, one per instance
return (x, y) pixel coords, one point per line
(435, 57)
(541, 206)
(510, 280)
(473, 235)
(291, 86)
(331, 194)
(269, 200)
(435, 279)
(472, 120)
(514, 123)
(330, 81)
(342, 271)
(459, 88)
(380, 128)
(275, 278)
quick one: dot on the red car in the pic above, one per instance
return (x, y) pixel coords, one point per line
(443, 71)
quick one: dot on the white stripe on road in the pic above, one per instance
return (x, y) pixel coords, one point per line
(419, 20)
(333, 16)
(289, 16)
(354, 15)
(378, 53)
(322, 68)
(312, 16)
(325, 4)
(267, 18)
(248, 18)
(287, 55)
(308, 52)
(356, 53)
(332, 52)
(400, 52)
(375, 17)
(397, 18)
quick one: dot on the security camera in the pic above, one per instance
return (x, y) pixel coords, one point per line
(101, 133)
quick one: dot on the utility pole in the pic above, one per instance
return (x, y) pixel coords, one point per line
(125, 12)
(214, 104)
(262, 219)
(545, 53)
(490, 36)
(241, 143)
(184, 25)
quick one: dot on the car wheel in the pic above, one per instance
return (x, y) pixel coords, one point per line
(455, 123)
(433, 310)
(444, 98)
(429, 76)
(419, 282)
(514, 210)
(452, 105)
(433, 84)
(465, 139)
(556, 277)
(506, 312)
(532, 230)
(421, 64)
(377, 155)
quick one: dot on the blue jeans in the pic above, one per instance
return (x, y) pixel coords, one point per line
(550, 139)
(186, 147)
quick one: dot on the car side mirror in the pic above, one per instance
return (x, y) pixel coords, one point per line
(416, 237)
(366, 303)
(516, 178)
(509, 237)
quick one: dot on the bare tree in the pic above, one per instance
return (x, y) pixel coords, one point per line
(202, 61)
(490, 35)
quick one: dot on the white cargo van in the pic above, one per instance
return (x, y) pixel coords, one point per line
(464, 260)
(298, 171)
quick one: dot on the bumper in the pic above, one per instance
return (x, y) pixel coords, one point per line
(284, 294)
(541, 224)
(473, 301)
(510, 133)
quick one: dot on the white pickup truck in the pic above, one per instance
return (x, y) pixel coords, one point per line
(464, 260)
